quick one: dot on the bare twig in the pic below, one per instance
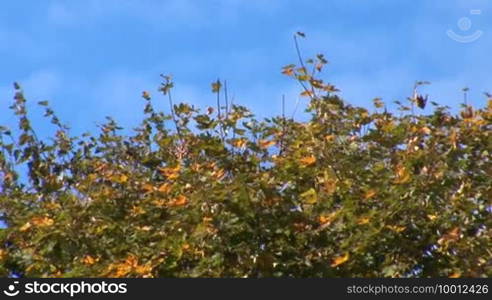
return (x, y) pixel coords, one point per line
(301, 62)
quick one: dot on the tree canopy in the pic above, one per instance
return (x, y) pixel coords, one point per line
(351, 192)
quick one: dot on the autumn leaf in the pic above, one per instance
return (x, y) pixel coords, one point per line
(216, 86)
(370, 193)
(147, 188)
(339, 260)
(432, 217)
(25, 227)
(396, 228)
(170, 173)
(402, 175)
(239, 143)
(307, 160)
(146, 95)
(137, 210)
(178, 201)
(451, 236)
(266, 143)
(330, 186)
(42, 221)
(363, 220)
(165, 188)
(288, 70)
(310, 196)
(307, 93)
(456, 274)
(327, 219)
(89, 260)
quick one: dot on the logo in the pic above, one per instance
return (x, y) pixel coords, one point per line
(465, 24)
(11, 291)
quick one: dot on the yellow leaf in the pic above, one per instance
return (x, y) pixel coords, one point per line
(309, 196)
(218, 174)
(122, 178)
(307, 160)
(159, 202)
(42, 221)
(340, 260)
(89, 260)
(165, 188)
(25, 227)
(370, 193)
(266, 143)
(239, 143)
(137, 210)
(307, 93)
(402, 175)
(327, 219)
(396, 228)
(143, 269)
(216, 86)
(453, 137)
(432, 217)
(170, 172)
(363, 220)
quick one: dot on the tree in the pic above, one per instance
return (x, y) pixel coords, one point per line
(350, 192)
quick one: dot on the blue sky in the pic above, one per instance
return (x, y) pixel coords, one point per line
(94, 58)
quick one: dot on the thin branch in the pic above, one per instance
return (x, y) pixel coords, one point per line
(173, 115)
(226, 99)
(283, 127)
(301, 62)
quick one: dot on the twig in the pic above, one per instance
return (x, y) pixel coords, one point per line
(283, 127)
(173, 115)
(226, 99)
(299, 56)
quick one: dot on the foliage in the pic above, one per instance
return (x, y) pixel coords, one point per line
(349, 192)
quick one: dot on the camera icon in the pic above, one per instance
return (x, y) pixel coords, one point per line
(465, 24)
(11, 291)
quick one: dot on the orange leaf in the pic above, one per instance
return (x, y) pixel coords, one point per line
(307, 93)
(170, 172)
(178, 201)
(340, 260)
(289, 71)
(370, 193)
(396, 228)
(307, 160)
(363, 220)
(42, 221)
(239, 143)
(402, 175)
(266, 144)
(456, 274)
(327, 219)
(25, 227)
(165, 188)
